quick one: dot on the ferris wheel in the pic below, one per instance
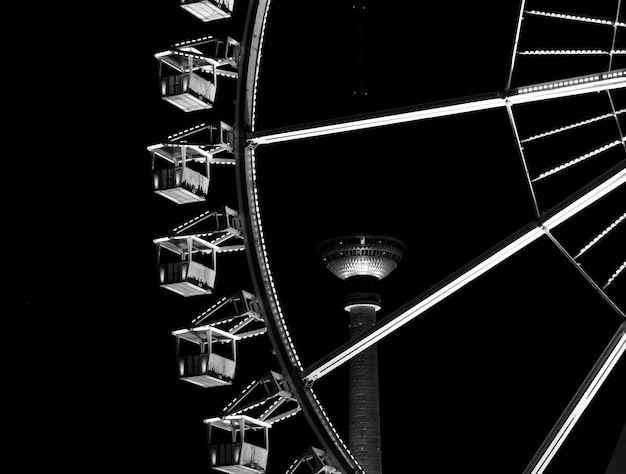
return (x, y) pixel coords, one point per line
(191, 73)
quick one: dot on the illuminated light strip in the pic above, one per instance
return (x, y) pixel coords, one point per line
(293, 464)
(613, 74)
(195, 41)
(577, 160)
(248, 194)
(602, 234)
(570, 87)
(534, 93)
(227, 234)
(615, 274)
(564, 16)
(318, 405)
(219, 323)
(257, 66)
(213, 61)
(295, 360)
(166, 239)
(204, 214)
(230, 74)
(160, 54)
(583, 83)
(269, 410)
(268, 274)
(288, 415)
(561, 52)
(207, 311)
(232, 249)
(186, 131)
(579, 403)
(258, 332)
(245, 409)
(439, 293)
(381, 121)
(241, 324)
(191, 221)
(231, 161)
(216, 60)
(243, 392)
(570, 127)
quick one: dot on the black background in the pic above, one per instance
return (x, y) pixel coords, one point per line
(476, 382)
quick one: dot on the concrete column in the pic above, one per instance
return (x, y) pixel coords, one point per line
(364, 414)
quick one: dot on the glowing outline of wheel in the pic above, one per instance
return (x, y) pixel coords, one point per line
(257, 256)
(312, 410)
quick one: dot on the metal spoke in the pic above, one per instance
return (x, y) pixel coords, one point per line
(533, 93)
(583, 397)
(380, 119)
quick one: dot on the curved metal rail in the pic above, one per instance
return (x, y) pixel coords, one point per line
(251, 50)
(246, 139)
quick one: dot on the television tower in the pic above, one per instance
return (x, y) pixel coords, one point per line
(361, 260)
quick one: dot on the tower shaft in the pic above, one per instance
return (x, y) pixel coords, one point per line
(361, 260)
(364, 412)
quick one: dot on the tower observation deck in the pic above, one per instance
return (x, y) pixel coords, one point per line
(361, 260)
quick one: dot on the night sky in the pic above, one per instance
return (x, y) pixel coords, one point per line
(478, 380)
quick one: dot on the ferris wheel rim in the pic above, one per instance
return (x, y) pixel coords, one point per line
(251, 51)
(244, 149)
